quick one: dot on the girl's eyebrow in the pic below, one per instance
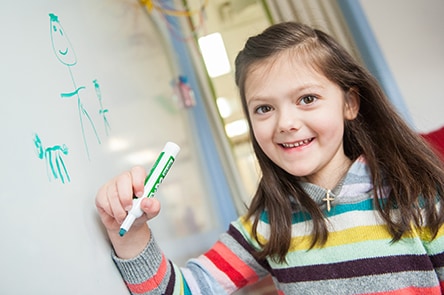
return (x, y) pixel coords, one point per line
(309, 87)
(258, 100)
(255, 99)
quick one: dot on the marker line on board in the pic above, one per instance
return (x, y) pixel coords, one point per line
(152, 182)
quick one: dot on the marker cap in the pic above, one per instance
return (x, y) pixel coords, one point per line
(171, 148)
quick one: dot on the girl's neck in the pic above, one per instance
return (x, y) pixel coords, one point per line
(331, 179)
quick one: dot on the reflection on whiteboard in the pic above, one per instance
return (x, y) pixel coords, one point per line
(64, 52)
(53, 157)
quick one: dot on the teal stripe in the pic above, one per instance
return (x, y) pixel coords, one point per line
(186, 288)
(298, 217)
(365, 205)
(373, 248)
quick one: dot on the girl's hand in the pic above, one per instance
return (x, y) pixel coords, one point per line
(114, 200)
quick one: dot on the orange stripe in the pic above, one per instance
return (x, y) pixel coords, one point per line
(247, 272)
(151, 283)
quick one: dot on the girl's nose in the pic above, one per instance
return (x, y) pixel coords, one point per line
(288, 121)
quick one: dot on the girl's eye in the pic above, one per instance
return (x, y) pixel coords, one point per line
(308, 99)
(263, 109)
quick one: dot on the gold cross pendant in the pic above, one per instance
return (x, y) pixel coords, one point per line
(328, 199)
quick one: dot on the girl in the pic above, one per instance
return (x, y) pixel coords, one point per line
(349, 201)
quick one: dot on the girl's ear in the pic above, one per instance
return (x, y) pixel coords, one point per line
(352, 103)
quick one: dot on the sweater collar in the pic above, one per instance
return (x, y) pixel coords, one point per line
(355, 183)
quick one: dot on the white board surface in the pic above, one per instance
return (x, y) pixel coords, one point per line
(68, 124)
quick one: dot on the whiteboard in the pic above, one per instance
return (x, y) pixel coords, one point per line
(71, 122)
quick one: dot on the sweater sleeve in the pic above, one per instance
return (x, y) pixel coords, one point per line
(228, 266)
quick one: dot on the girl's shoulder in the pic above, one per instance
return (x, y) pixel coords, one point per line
(242, 231)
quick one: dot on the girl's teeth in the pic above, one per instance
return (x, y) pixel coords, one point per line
(296, 144)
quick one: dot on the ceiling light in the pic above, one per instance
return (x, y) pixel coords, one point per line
(236, 128)
(224, 107)
(214, 55)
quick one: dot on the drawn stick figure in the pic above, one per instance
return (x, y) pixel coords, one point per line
(55, 167)
(103, 112)
(65, 54)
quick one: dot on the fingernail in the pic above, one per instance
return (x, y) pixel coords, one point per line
(127, 208)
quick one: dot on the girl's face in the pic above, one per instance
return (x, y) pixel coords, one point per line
(297, 116)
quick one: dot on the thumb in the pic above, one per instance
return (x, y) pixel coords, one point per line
(151, 207)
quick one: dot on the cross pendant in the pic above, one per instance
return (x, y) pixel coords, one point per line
(328, 199)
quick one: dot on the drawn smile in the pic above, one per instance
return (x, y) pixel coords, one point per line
(64, 52)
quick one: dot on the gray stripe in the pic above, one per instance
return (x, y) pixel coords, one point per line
(377, 283)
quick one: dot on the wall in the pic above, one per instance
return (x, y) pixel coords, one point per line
(409, 33)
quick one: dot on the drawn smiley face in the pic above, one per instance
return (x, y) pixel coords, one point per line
(60, 42)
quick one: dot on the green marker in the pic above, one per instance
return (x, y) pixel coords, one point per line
(152, 182)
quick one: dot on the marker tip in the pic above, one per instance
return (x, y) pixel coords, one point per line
(122, 232)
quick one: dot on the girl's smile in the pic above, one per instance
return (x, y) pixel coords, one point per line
(298, 143)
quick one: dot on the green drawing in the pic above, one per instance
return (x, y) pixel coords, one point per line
(103, 112)
(65, 54)
(75, 92)
(55, 167)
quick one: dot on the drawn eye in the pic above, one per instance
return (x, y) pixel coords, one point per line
(54, 28)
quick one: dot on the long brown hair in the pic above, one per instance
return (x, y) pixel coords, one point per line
(396, 155)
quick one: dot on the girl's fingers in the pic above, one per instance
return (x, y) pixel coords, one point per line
(125, 193)
(114, 201)
(138, 174)
(115, 198)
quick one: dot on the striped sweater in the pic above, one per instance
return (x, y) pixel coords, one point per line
(358, 258)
